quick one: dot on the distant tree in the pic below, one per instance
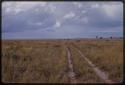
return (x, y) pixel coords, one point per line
(101, 37)
(110, 37)
(96, 37)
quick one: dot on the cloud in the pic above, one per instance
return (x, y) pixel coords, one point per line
(79, 5)
(69, 15)
(112, 10)
(74, 19)
(57, 24)
(17, 6)
(85, 20)
(36, 23)
(95, 5)
(29, 20)
(83, 11)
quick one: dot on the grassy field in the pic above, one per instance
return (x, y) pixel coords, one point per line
(105, 54)
(45, 61)
(84, 72)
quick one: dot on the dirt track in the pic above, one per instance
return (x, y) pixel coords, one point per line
(99, 73)
(71, 72)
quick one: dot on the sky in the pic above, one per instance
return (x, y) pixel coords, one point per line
(61, 20)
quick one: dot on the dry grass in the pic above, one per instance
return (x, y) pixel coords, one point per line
(37, 61)
(83, 70)
(107, 55)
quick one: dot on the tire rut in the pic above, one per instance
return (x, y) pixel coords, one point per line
(71, 73)
(99, 73)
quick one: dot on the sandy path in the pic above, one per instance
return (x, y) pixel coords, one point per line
(99, 73)
(71, 73)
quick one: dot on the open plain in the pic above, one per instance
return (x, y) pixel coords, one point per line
(62, 61)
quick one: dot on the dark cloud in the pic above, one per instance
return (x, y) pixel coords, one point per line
(61, 19)
(27, 21)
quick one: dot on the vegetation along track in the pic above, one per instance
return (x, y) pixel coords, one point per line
(99, 73)
(61, 63)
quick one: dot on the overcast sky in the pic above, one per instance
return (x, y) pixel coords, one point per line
(48, 20)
